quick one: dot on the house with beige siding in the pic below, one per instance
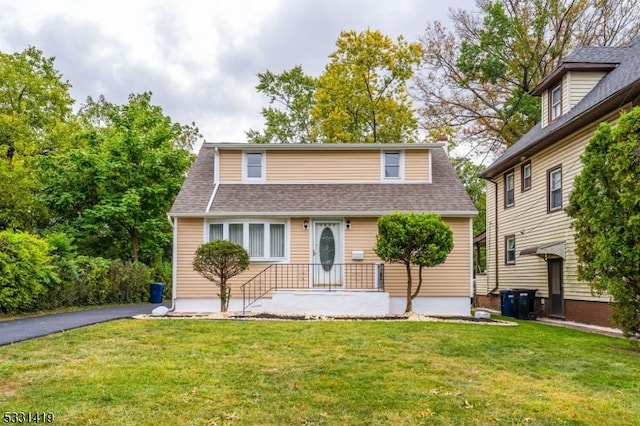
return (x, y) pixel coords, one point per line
(529, 239)
(307, 215)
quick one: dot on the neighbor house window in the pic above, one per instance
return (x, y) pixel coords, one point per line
(554, 189)
(262, 240)
(254, 165)
(391, 164)
(510, 250)
(555, 102)
(525, 173)
(509, 192)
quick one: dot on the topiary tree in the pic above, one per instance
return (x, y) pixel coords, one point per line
(605, 206)
(420, 239)
(218, 261)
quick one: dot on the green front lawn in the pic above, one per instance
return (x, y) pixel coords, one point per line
(198, 372)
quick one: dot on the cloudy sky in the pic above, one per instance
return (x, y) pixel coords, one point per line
(199, 58)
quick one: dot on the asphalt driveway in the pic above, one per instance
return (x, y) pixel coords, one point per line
(17, 330)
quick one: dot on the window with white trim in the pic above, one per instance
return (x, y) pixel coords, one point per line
(510, 250)
(262, 240)
(555, 102)
(254, 165)
(509, 190)
(554, 185)
(391, 164)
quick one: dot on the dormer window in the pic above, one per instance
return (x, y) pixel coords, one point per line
(555, 102)
(254, 166)
(392, 165)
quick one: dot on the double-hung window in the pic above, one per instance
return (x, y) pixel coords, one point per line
(391, 164)
(509, 191)
(510, 250)
(554, 189)
(254, 165)
(262, 240)
(555, 102)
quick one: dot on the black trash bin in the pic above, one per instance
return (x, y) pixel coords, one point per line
(506, 303)
(524, 303)
(155, 291)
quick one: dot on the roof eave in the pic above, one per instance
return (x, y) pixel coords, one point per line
(319, 146)
(327, 213)
(554, 77)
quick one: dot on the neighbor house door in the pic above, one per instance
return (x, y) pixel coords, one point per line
(556, 292)
(327, 254)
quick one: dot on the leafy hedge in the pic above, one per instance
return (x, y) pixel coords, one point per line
(41, 274)
(26, 271)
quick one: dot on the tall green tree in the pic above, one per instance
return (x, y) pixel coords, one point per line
(475, 78)
(35, 122)
(605, 206)
(287, 119)
(469, 172)
(112, 192)
(362, 96)
(420, 239)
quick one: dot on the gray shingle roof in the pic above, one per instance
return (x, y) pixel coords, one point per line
(618, 87)
(597, 55)
(445, 195)
(198, 186)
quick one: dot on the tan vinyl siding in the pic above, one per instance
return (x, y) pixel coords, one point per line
(230, 166)
(299, 243)
(189, 283)
(448, 279)
(533, 226)
(416, 165)
(566, 84)
(312, 166)
(581, 83)
(545, 109)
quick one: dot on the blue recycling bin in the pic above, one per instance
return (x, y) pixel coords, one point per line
(506, 303)
(156, 290)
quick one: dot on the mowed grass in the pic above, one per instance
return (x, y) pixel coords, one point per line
(197, 372)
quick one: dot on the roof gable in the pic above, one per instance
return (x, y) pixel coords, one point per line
(620, 86)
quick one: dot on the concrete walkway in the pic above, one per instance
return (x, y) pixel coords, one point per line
(17, 330)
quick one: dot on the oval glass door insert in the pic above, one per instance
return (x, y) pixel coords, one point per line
(327, 249)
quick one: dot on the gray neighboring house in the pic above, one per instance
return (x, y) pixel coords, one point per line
(307, 214)
(530, 242)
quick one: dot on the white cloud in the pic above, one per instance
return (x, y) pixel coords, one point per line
(199, 58)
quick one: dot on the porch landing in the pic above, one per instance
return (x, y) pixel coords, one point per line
(318, 302)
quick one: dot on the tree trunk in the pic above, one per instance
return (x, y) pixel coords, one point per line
(135, 244)
(409, 307)
(225, 293)
(413, 296)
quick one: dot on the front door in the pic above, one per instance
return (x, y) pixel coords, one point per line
(556, 297)
(327, 254)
